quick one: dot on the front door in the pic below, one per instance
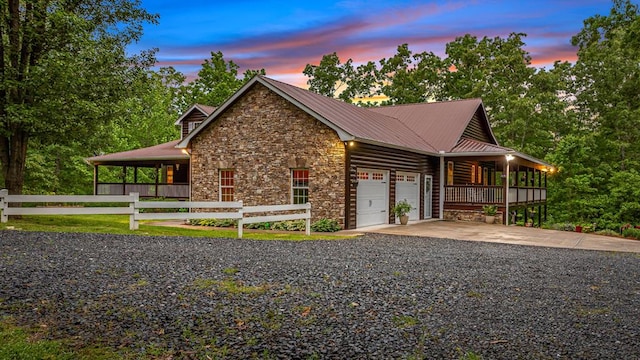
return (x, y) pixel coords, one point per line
(428, 197)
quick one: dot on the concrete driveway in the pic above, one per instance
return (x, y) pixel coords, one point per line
(519, 235)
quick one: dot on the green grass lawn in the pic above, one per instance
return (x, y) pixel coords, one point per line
(119, 224)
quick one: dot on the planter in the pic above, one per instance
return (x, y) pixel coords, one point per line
(528, 224)
(404, 219)
(489, 219)
(578, 228)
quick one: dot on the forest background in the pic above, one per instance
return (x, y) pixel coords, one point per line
(68, 91)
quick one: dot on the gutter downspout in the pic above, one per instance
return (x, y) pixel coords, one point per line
(441, 197)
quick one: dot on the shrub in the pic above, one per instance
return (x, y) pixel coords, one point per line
(260, 226)
(214, 222)
(631, 233)
(290, 225)
(326, 225)
(563, 227)
(607, 232)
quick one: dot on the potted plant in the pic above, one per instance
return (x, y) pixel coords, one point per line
(490, 213)
(401, 210)
(529, 223)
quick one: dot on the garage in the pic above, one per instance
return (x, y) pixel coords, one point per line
(372, 197)
(408, 188)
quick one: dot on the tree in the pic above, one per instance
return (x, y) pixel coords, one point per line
(216, 81)
(330, 77)
(407, 78)
(62, 64)
(608, 78)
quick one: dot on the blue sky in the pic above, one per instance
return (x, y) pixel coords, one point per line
(283, 36)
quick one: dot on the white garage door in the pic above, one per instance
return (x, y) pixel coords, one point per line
(372, 200)
(408, 188)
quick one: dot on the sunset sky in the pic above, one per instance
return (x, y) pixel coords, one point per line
(282, 36)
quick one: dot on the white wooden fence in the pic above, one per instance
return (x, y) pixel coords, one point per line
(131, 205)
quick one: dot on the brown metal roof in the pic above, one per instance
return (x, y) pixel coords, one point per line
(439, 123)
(204, 109)
(166, 151)
(475, 146)
(361, 123)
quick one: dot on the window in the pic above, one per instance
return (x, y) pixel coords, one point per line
(193, 124)
(170, 174)
(450, 173)
(362, 175)
(473, 174)
(480, 174)
(300, 186)
(226, 185)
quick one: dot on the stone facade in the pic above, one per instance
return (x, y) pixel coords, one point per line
(263, 137)
(469, 215)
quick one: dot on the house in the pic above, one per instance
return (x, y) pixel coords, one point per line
(169, 164)
(274, 143)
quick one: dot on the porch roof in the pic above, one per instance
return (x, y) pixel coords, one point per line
(153, 154)
(474, 148)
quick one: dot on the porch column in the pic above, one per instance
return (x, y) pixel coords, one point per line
(508, 158)
(157, 179)
(95, 179)
(442, 194)
(124, 180)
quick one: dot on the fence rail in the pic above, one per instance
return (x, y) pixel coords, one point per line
(228, 210)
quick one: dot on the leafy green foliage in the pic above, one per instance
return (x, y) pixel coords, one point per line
(215, 222)
(326, 225)
(76, 49)
(631, 233)
(217, 80)
(401, 208)
(490, 210)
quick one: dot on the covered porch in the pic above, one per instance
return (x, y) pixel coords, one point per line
(160, 171)
(513, 182)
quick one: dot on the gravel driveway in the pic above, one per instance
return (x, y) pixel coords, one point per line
(379, 296)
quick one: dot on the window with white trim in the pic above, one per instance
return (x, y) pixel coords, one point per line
(300, 186)
(193, 124)
(227, 183)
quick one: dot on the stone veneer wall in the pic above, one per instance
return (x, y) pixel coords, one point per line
(262, 137)
(469, 215)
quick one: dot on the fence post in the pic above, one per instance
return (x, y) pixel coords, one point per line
(307, 225)
(133, 205)
(3, 205)
(240, 222)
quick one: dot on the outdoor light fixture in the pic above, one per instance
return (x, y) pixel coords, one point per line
(186, 152)
(509, 157)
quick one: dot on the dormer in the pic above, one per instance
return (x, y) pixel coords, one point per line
(193, 117)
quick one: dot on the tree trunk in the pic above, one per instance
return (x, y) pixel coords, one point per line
(13, 153)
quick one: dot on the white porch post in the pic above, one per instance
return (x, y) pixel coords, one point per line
(508, 158)
(442, 194)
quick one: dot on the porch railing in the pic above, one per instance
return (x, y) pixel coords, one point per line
(461, 194)
(474, 194)
(170, 191)
(527, 195)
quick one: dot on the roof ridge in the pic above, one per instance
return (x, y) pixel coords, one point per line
(429, 103)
